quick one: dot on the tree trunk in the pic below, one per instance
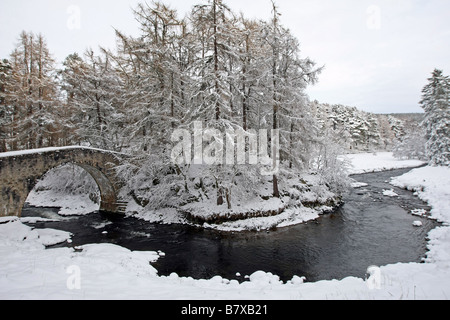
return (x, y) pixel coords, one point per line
(276, 192)
(29, 125)
(220, 200)
(216, 59)
(41, 96)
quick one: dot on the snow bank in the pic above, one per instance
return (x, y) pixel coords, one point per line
(305, 198)
(14, 231)
(288, 217)
(103, 271)
(376, 162)
(389, 193)
(432, 185)
(357, 185)
(69, 204)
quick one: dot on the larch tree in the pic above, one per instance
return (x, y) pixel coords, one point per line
(153, 67)
(94, 89)
(32, 92)
(231, 74)
(6, 111)
(287, 78)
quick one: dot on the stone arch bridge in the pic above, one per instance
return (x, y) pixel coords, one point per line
(21, 170)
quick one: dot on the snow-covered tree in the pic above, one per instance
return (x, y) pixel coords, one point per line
(32, 93)
(397, 127)
(6, 111)
(436, 103)
(212, 67)
(94, 91)
(326, 161)
(360, 130)
(412, 145)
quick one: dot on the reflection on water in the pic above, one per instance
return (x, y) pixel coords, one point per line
(370, 229)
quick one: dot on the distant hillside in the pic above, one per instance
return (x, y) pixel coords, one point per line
(360, 131)
(409, 118)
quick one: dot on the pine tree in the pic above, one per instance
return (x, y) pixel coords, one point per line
(412, 145)
(436, 102)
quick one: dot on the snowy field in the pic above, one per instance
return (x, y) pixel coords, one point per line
(28, 271)
(376, 162)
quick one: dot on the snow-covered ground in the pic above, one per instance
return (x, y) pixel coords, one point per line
(59, 189)
(252, 214)
(380, 161)
(100, 271)
(70, 204)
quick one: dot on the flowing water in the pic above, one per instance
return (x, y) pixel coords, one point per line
(370, 229)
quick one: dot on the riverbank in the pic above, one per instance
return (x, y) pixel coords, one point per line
(305, 198)
(28, 271)
(376, 162)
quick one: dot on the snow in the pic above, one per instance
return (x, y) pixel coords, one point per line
(288, 217)
(249, 213)
(32, 220)
(357, 185)
(419, 212)
(69, 204)
(16, 231)
(432, 185)
(390, 193)
(376, 162)
(45, 150)
(59, 189)
(106, 271)
(417, 223)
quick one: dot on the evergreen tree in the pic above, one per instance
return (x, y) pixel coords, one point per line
(436, 102)
(412, 145)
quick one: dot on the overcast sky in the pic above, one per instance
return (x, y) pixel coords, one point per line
(377, 54)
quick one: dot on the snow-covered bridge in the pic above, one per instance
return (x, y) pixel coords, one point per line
(21, 170)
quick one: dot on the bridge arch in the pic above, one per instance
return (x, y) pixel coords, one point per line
(20, 172)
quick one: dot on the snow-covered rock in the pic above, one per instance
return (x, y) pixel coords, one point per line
(417, 224)
(390, 193)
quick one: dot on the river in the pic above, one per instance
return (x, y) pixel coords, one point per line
(369, 229)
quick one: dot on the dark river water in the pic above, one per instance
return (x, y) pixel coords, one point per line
(370, 229)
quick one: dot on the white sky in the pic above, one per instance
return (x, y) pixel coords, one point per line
(378, 54)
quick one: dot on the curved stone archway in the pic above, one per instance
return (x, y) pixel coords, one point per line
(20, 172)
